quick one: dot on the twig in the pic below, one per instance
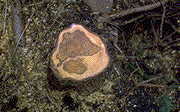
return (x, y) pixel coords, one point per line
(173, 26)
(153, 29)
(153, 85)
(143, 83)
(5, 15)
(116, 70)
(162, 20)
(155, 78)
(118, 48)
(171, 42)
(162, 40)
(129, 21)
(134, 10)
(133, 73)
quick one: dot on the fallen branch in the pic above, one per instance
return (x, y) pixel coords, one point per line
(133, 10)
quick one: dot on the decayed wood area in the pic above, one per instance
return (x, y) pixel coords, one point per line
(142, 39)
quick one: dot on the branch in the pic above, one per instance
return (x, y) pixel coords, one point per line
(133, 10)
